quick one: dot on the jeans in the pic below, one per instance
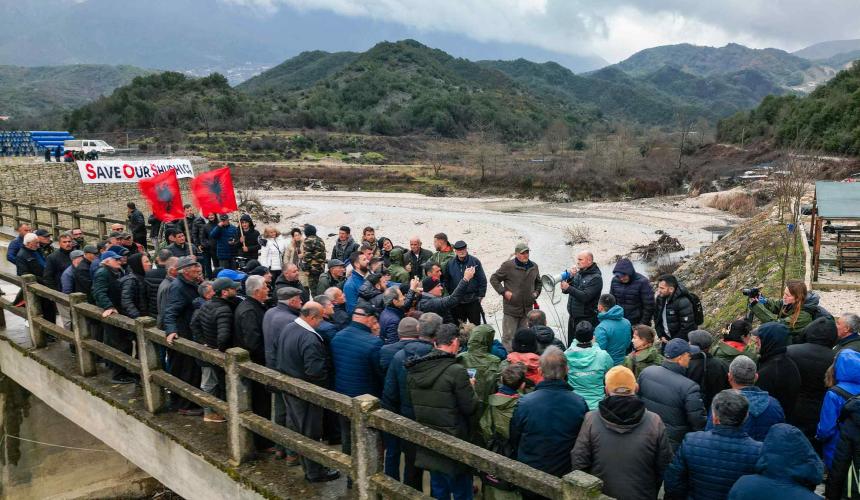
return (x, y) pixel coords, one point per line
(212, 382)
(445, 486)
(392, 455)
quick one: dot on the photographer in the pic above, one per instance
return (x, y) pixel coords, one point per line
(792, 311)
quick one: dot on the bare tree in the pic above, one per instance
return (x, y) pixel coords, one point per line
(556, 136)
(685, 127)
(792, 176)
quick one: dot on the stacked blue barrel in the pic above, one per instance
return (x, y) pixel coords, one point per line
(33, 142)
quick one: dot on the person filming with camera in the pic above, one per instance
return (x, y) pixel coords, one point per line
(795, 310)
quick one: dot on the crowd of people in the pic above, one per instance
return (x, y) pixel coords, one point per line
(636, 395)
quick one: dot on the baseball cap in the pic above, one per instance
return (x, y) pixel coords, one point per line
(221, 284)
(91, 249)
(224, 217)
(75, 254)
(288, 292)
(620, 381)
(459, 245)
(521, 247)
(186, 261)
(42, 232)
(675, 348)
(109, 255)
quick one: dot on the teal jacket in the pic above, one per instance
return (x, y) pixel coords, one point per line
(586, 370)
(613, 334)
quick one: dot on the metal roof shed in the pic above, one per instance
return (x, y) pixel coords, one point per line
(833, 201)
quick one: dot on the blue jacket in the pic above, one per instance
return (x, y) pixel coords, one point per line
(545, 425)
(764, 413)
(788, 469)
(614, 333)
(476, 288)
(221, 236)
(355, 352)
(350, 290)
(636, 296)
(14, 247)
(275, 320)
(846, 372)
(498, 350)
(395, 396)
(389, 320)
(387, 353)
(708, 463)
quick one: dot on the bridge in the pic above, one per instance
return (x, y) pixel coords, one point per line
(204, 460)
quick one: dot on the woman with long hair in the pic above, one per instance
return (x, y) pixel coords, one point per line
(272, 248)
(789, 311)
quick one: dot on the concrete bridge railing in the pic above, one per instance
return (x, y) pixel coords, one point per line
(364, 412)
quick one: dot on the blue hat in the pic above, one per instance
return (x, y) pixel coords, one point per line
(675, 348)
(232, 274)
(109, 255)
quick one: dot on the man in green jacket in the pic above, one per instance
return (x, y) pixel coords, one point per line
(478, 358)
(518, 282)
(398, 271)
(443, 399)
(444, 251)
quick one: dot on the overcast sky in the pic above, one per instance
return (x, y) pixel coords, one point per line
(612, 29)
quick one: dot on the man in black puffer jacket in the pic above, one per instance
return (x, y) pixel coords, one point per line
(177, 323)
(134, 299)
(217, 331)
(152, 280)
(812, 358)
(674, 316)
(777, 372)
(583, 288)
(633, 292)
(107, 294)
(443, 399)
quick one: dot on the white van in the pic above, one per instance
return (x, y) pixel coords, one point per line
(88, 146)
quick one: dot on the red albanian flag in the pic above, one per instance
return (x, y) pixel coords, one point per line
(162, 193)
(213, 192)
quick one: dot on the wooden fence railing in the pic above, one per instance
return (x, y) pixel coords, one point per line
(366, 416)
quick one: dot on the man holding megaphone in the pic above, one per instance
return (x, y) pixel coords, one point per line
(583, 288)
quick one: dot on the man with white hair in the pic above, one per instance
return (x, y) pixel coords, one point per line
(848, 331)
(416, 258)
(583, 289)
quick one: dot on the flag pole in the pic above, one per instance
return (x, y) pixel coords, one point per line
(188, 236)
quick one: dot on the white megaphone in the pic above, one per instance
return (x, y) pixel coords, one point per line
(549, 281)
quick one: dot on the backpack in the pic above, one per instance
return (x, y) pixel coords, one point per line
(698, 312)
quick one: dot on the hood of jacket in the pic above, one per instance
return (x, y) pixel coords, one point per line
(481, 339)
(624, 266)
(847, 367)
(416, 349)
(581, 357)
(649, 355)
(774, 338)
(544, 334)
(310, 230)
(502, 401)
(821, 331)
(424, 371)
(247, 218)
(135, 263)
(621, 413)
(786, 453)
(812, 299)
(616, 312)
(529, 359)
(758, 399)
(395, 256)
(852, 410)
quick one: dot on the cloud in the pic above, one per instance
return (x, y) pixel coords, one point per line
(613, 29)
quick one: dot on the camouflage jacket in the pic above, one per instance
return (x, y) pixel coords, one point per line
(313, 255)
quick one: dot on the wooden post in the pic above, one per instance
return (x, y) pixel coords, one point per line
(1, 212)
(153, 395)
(17, 216)
(816, 249)
(240, 441)
(365, 445)
(32, 209)
(76, 220)
(55, 223)
(34, 310)
(101, 225)
(81, 329)
(579, 485)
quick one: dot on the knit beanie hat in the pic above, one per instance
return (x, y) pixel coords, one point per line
(524, 341)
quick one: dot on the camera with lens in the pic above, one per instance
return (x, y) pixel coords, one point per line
(751, 292)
